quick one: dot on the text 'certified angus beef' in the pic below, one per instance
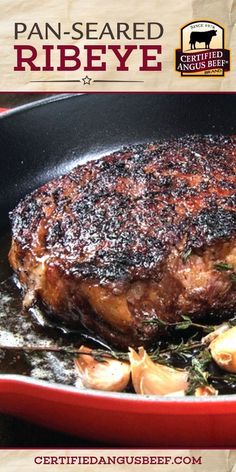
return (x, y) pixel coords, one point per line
(143, 234)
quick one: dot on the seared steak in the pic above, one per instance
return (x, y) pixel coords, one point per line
(145, 233)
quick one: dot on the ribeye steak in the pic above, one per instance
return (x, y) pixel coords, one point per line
(145, 233)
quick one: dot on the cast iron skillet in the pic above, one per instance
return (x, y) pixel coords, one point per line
(47, 138)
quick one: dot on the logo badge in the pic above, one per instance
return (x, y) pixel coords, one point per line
(202, 51)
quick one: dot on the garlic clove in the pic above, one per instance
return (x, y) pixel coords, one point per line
(223, 350)
(205, 391)
(213, 335)
(151, 378)
(111, 375)
(180, 393)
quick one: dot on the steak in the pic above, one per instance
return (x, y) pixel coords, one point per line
(144, 234)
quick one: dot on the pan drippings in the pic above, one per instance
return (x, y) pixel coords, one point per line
(32, 328)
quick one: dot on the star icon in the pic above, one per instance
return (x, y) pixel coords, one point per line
(86, 80)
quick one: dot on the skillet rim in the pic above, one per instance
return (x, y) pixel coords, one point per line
(37, 103)
(121, 396)
(57, 96)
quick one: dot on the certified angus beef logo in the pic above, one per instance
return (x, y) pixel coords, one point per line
(202, 51)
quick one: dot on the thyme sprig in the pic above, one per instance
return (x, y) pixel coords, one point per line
(99, 354)
(223, 266)
(198, 372)
(102, 354)
(181, 349)
(186, 254)
(186, 323)
(233, 277)
(198, 375)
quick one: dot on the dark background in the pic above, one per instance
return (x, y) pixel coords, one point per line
(15, 432)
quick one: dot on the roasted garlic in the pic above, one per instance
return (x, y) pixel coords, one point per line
(151, 378)
(223, 350)
(205, 391)
(213, 334)
(108, 375)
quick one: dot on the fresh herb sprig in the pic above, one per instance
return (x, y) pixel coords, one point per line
(102, 354)
(186, 323)
(223, 266)
(186, 254)
(198, 375)
(99, 354)
(233, 277)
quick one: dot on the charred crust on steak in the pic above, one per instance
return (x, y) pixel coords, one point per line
(125, 212)
(128, 218)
